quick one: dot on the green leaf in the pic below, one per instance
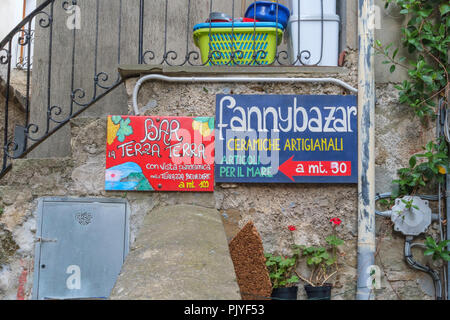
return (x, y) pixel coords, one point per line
(412, 161)
(293, 279)
(443, 244)
(324, 255)
(395, 53)
(445, 256)
(392, 69)
(430, 242)
(334, 240)
(444, 8)
(270, 263)
(316, 260)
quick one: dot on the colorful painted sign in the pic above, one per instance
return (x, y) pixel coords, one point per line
(286, 139)
(160, 153)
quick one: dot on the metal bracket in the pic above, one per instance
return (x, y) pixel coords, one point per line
(19, 141)
(42, 240)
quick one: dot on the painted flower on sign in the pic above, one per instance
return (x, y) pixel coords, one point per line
(205, 125)
(113, 175)
(118, 127)
(125, 130)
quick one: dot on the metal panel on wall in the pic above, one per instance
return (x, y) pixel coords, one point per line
(80, 248)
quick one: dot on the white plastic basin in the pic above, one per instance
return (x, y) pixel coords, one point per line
(312, 43)
(312, 7)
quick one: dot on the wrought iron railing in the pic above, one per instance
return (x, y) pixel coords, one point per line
(161, 33)
(186, 53)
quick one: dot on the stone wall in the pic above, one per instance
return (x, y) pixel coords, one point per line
(271, 207)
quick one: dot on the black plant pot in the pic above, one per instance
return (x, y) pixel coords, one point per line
(285, 293)
(319, 293)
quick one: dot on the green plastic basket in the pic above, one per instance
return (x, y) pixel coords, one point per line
(247, 41)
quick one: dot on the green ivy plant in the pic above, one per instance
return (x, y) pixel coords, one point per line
(424, 168)
(437, 250)
(426, 37)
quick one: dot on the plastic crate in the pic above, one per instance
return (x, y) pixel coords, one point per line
(246, 39)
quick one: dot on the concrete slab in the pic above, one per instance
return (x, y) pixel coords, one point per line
(181, 253)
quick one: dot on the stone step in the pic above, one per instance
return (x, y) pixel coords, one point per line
(181, 253)
(42, 174)
(83, 170)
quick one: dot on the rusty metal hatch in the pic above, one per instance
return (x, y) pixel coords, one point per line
(81, 245)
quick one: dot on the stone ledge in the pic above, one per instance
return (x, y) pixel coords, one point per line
(131, 71)
(41, 175)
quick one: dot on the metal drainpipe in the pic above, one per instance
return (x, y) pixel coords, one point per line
(366, 145)
(447, 204)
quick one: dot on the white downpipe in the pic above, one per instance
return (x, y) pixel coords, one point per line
(366, 147)
(159, 77)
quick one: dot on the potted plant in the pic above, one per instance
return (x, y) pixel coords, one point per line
(323, 264)
(281, 271)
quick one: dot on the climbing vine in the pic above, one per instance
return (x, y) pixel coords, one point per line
(426, 38)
